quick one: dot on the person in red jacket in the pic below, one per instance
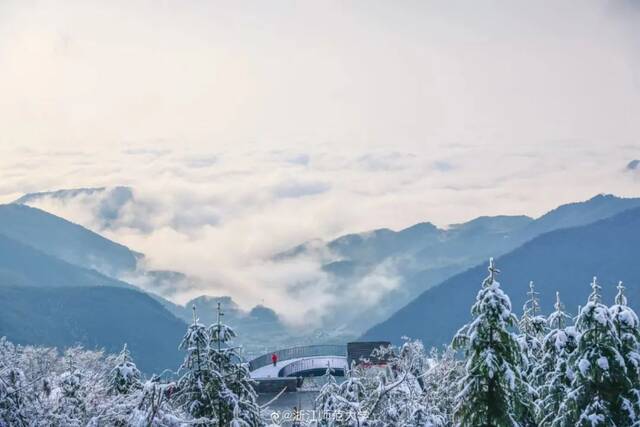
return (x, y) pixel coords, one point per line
(274, 359)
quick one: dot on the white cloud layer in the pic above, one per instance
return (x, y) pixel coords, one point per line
(246, 128)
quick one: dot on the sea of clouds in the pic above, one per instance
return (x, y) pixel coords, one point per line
(245, 129)
(224, 221)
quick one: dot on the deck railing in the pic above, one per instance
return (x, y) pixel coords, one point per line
(337, 364)
(298, 353)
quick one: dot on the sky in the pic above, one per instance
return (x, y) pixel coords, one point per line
(247, 127)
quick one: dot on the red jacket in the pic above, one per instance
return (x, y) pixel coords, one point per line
(274, 358)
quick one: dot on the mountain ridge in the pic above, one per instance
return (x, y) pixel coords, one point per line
(424, 255)
(66, 240)
(564, 259)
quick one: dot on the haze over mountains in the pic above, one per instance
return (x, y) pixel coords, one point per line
(23, 265)
(74, 282)
(313, 283)
(40, 251)
(105, 203)
(46, 300)
(421, 256)
(64, 240)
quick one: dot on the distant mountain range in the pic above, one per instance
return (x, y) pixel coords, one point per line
(47, 301)
(390, 267)
(59, 264)
(67, 269)
(422, 256)
(564, 260)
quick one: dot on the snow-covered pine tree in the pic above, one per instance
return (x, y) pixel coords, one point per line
(600, 375)
(230, 386)
(552, 370)
(533, 327)
(329, 400)
(559, 319)
(193, 394)
(494, 390)
(125, 377)
(627, 328)
(120, 398)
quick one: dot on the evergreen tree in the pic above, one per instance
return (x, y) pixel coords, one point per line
(230, 386)
(125, 377)
(626, 325)
(600, 382)
(494, 390)
(532, 327)
(193, 393)
(119, 404)
(552, 371)
(329, 400)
